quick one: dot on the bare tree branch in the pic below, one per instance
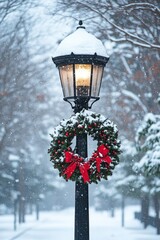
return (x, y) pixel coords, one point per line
(128, 36)
(141, 6)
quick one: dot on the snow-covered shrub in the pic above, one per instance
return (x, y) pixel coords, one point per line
(148, 142)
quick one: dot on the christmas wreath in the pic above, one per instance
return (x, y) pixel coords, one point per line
(103, 160)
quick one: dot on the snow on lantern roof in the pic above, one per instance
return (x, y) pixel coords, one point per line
(81, 42)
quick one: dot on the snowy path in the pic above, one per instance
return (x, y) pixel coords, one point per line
(60, 225)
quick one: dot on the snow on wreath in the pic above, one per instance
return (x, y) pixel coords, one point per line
(103, 160)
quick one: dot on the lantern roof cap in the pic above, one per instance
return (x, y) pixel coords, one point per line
(81, 42)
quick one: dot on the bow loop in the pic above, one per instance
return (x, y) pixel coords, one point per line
(68, 156)
(101, 155)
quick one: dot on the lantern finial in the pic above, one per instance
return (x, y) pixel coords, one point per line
(80, 24)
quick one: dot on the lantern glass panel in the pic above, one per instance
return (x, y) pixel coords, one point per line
(82, 79)
(96, 80)
(66, 76)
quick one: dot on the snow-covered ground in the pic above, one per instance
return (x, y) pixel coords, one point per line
(59, 225)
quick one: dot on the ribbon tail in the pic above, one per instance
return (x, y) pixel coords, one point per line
(70, 170)
(98, 163)
(102, 150)
(84, 172)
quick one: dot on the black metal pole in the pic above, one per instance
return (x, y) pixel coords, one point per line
(81, 195)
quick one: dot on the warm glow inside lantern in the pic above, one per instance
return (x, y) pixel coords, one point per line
(82, 79)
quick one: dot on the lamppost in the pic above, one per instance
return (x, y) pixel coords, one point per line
(81, 58)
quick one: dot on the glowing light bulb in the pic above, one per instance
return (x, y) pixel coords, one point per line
(82, 76)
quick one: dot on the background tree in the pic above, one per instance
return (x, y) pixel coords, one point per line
(29, 108)
(148, 141)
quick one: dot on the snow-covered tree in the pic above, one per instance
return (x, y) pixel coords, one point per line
(29, 106)
(106, 196)
(126, 178)
(148, 141)
(148, 168)
(123, 183)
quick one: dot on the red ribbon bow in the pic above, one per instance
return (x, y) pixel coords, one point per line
(76, 161)
(101, 155)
